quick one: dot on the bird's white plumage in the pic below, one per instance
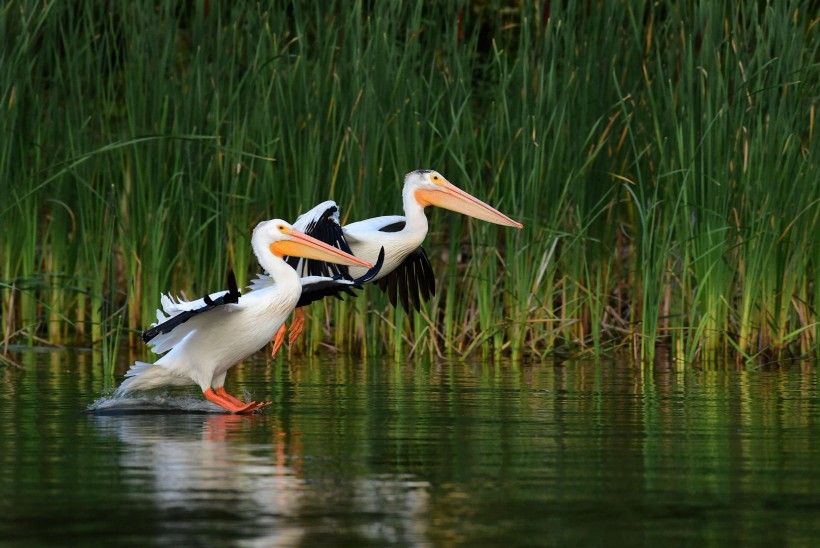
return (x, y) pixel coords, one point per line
(171, 306)
(314, 215)
(203, 348)
(366, 238)
(262, 281)
(361, 230)
(402, 235)
(406, 275)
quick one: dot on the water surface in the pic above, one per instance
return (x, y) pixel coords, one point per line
(417, 453)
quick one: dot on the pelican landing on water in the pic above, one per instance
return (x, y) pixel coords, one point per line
(201, 340)
(406, 274)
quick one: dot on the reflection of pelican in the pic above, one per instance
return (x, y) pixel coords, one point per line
(406, 275)
(202, 465)
(205, 338)
(245, 468)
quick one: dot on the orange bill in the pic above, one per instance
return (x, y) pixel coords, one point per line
(300, 244)
(453, 198)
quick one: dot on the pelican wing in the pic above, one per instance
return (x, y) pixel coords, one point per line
(393, 226)
(315, 288)
(363, 230)
(412, 281)
(176, 312)
(322, 223)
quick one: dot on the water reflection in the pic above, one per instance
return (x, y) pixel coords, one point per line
(419, 453)
(206, 473)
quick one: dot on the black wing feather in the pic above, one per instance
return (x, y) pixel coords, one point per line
(412, 281)
(403, 283)
(231, 297)
(398, 226)
(388, 285)
(429, 276)
(414, 274)
(327, 230)
(332, 287)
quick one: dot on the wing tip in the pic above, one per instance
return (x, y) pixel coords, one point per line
(370, 274)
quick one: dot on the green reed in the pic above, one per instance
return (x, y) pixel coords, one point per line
(661, 157)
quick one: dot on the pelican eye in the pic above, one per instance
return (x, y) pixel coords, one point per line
(436, 179)
(281, 228)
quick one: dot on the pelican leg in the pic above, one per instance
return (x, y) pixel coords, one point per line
(297, 326)
(222, 393)
(278, 340)
(227, 404)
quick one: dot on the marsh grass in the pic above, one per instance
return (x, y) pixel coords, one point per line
(663, 159)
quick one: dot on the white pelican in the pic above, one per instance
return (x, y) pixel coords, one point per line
(203, 339)
(406, 270)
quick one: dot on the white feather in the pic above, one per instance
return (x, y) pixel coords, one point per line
(172, 306)
(366, 240)
(202, 349)
(313, 215)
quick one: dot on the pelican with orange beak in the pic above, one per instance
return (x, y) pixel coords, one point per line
(406, 274)
(201, 340)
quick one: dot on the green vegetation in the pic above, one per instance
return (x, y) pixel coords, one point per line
(663, 159)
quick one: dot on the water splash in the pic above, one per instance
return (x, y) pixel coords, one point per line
(152, 403)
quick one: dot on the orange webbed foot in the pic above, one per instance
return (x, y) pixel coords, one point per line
(222, 393)
(228, 402)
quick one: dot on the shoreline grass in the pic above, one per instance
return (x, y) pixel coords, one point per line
(662, 157)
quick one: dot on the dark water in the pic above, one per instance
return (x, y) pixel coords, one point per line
(417, 453)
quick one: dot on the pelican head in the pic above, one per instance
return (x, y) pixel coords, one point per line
(429, 187)
(281, 239)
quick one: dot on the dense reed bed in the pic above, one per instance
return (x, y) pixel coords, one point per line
(663, 158)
